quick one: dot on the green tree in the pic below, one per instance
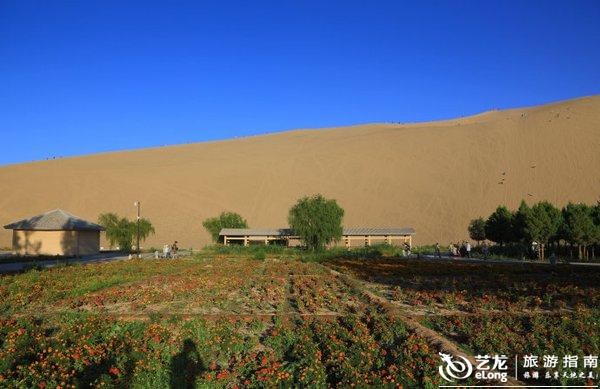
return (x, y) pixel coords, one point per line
(146, 229)
(499, 226)
(477, 229)
(578, 226)
(122, 232)
(214, 225)
(542, 223)
(317, 221)
(520, 223)
(595, 210)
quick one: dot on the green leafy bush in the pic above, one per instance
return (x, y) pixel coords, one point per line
(214, 225)
(122, 232)
(317, 221)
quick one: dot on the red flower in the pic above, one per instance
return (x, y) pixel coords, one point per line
(114, 371)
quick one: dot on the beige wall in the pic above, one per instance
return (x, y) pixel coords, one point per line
(69, 243)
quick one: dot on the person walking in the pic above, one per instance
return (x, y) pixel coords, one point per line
(437, 251)
(406, 250)
(468, 249)
(174, 250)
(485, 249)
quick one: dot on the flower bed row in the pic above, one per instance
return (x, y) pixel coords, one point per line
(89, 350)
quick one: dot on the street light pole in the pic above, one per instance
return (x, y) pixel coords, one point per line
(137, 204)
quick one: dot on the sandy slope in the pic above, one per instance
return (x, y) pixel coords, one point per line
(433, 176)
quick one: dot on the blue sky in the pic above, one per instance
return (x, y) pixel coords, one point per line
(94, 76)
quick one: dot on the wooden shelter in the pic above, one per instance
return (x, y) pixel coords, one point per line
(55, 233)
(351, 237)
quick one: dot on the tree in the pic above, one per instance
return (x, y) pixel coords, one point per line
(477, 229)
(317, 221)
(214, 225)
(146, 228)
(578, 226)
(595, 211)
(121, 231)
(520, 223)
(542, 223)
(499, 226)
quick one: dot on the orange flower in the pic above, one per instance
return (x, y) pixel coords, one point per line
(114, 371)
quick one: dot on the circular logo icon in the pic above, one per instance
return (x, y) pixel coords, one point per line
(455, 369)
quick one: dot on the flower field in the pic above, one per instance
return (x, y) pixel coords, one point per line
(230, 320)
(519, 335)
(203, 322)
(511, 309)
(436, 287)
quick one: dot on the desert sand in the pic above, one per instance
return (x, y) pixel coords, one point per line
(433, 176)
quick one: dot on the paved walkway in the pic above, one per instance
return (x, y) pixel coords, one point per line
(14, 267)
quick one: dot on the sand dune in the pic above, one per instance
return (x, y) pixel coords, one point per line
(432, 176)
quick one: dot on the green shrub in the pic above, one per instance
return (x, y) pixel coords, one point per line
(122, 232)
(259, 255)
(214, 225)
(317, 221)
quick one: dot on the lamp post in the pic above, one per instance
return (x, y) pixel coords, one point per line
(137, 204)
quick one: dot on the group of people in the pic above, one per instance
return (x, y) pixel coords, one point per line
(460, 250)
(169, 251)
